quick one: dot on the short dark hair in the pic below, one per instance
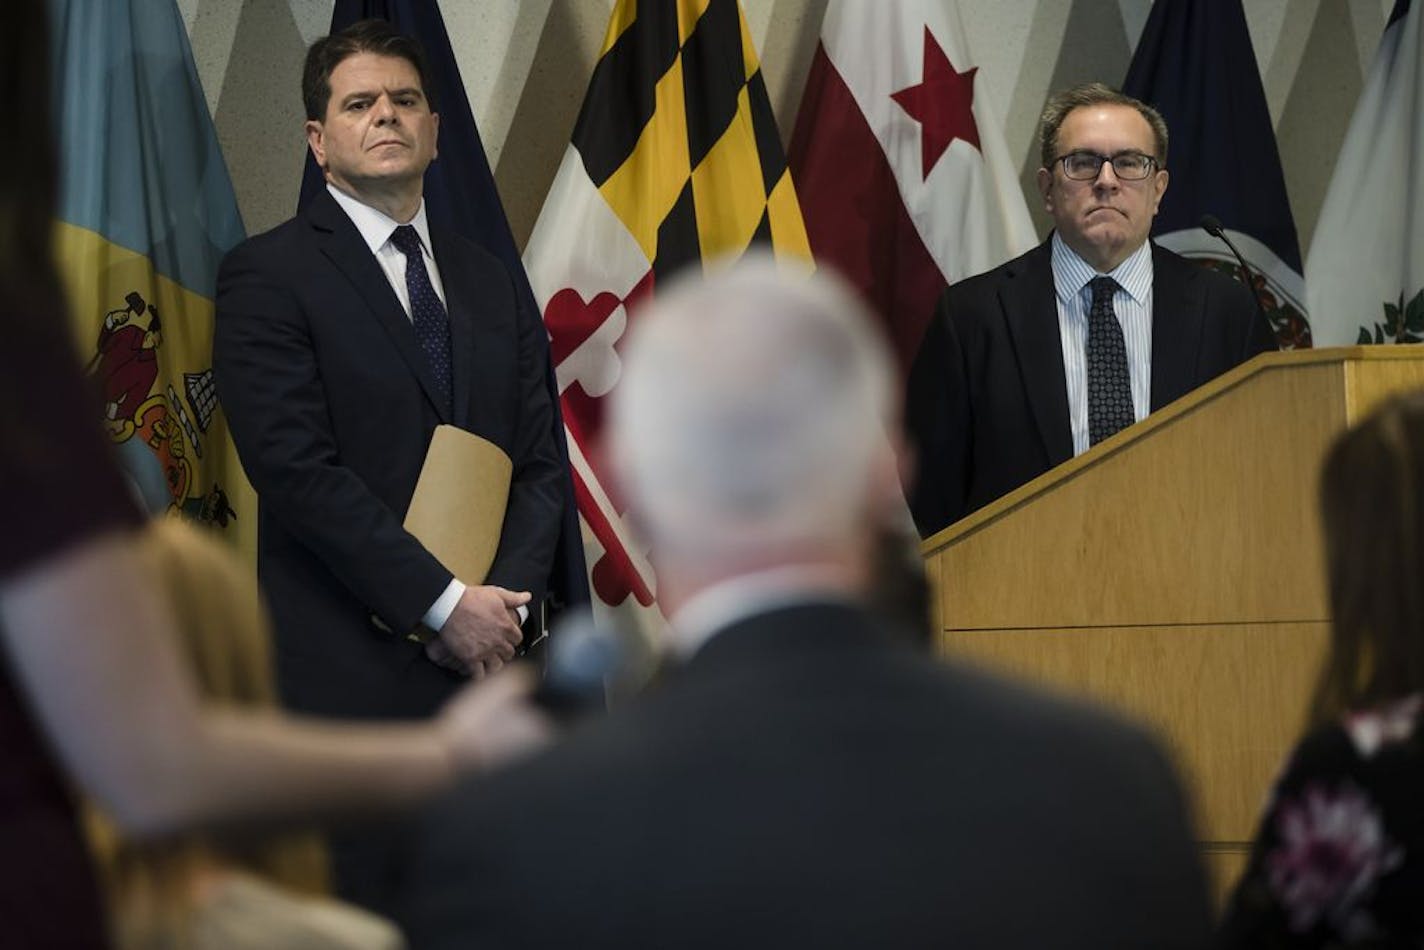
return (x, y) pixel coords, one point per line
(1372, 510)
(1094, 94)
(363, 36)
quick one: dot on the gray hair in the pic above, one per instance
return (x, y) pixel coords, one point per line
(1094, 94)
(752, 411)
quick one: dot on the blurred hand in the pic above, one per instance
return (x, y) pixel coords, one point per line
(483, 629)
(488, 724)
(439, 654)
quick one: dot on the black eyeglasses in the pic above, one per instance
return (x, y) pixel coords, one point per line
(1086, 166)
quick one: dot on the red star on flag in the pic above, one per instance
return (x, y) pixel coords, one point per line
(943, 104)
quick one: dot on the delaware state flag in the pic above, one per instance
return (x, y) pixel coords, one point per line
(146, 212)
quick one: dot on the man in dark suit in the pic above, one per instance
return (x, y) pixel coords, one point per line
(807, 777)
(344, 337)
(1036, 361)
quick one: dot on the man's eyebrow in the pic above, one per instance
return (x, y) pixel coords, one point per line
(371, 94)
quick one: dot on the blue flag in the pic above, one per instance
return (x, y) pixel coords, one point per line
(1195, 65)
(146, 212)
(460, 195)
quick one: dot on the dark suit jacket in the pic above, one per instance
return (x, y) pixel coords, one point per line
(987, 401)
(811, 780)
(331, 405)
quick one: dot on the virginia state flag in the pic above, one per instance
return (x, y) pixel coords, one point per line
(460, 194)
(146, 212)
(675, 160)
(1196, 66)
(1365, 274)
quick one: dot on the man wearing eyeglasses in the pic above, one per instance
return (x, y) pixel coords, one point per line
(1040, 359)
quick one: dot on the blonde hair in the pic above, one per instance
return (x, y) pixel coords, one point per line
(226, 640)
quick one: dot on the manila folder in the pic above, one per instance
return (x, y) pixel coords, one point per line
(457, 510)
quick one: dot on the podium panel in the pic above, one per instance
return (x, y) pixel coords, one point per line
(1185, 681)
(1175, 573)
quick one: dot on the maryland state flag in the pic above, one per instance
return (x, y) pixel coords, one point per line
(675, 160)
(146, 212)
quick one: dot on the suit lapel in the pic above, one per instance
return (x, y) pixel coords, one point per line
(1031, 312)
(459, 299)
(343, 246)
(474, 336)
(1177, 325)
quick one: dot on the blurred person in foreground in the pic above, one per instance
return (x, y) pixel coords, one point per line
(807, 777)
(92, 687)
(1338, 859)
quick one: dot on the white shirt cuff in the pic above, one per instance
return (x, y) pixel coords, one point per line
(444, 605)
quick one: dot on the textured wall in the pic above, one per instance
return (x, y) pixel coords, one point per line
(526, 64)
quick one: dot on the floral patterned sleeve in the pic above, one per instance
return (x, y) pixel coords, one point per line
(1337, 857)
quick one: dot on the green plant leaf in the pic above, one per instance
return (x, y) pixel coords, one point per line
(1414, 313)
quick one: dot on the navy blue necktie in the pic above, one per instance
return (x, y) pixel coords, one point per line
(427, 313)
(1109, 386)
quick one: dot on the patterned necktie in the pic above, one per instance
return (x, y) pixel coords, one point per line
(1109, 388)
(427, 313)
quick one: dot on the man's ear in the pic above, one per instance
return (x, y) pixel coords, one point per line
(435, 117)
(1159, 186)
(316, 142)
(893, 465)
(1045, 188)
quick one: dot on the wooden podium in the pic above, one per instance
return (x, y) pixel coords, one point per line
(1175, 572)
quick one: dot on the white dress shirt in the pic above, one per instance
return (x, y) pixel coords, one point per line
(1132, 302)
(376, 229)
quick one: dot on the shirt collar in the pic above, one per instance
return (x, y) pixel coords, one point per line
(1071, 273)
(376, 227)
(718, 606)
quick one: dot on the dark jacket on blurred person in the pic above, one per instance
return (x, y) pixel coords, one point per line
(808, 779)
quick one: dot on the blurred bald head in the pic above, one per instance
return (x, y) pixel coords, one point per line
(750, 424)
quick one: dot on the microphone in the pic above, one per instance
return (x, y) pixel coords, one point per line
(587, 663)
(1212, 225)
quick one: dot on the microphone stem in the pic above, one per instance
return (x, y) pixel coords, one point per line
(1247, 277)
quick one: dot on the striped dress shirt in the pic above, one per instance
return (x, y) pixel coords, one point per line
(1133, 303)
